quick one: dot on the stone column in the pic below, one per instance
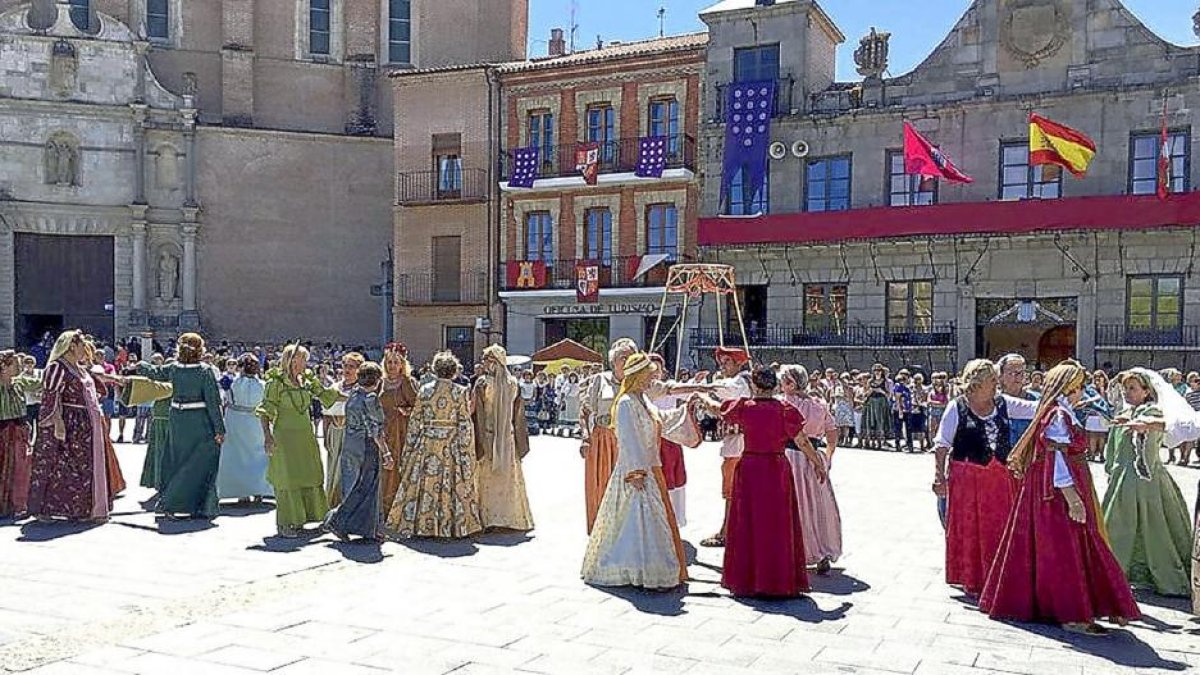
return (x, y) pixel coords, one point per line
(188, 275)
(965, 325)
(139, 266)
(142, 47)
(189, 147)
(139, 147)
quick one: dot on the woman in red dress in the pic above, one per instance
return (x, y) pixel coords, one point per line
(1053, 565)
(764, 540)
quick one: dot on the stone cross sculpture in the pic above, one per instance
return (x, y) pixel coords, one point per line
(871, 57)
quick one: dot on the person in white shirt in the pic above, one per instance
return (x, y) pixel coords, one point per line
(733, 384)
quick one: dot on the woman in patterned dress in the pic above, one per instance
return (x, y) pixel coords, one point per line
(68, 479)
(437, 496)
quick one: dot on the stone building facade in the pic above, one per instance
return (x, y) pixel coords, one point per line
(613, 96)
(225, 165)
(845, 261)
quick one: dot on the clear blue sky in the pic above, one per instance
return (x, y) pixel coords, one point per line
(916, 28)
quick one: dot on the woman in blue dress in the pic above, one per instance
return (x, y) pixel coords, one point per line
(243, 471)
(364, 450)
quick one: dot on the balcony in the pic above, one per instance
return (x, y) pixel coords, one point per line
(417, 290)
(784, 89)
(432, 187)
(1119, 336)
(617, 273)
(777, 336)
(616, 156)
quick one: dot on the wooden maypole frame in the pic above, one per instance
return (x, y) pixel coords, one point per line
(694, 280)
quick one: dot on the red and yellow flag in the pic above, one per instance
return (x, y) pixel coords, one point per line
(1054, 143)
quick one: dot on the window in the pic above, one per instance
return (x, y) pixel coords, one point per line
(1145, 150)
(905, 189)
(825, 308)
(318, 27)
(601, 123)
(158, 26)
(81, 14)
(664, 121)
(910, 307)
(539, 237)
(541, 135)
(827, 184)
(740, 203)
(597, 236)
(447, 162)
(662, 230)
(1018, 180)
(447, 269)
(399, 31)
(754, 64)
(1155, 303)
(460, 341)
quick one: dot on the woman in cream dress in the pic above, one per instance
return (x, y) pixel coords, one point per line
(635, 541)
(599, 447)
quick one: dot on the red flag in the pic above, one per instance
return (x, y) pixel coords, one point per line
(922, 158)
(587, 160)
(587, 282)
(1164, 158)
(525, 274)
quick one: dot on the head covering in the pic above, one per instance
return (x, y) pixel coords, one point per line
(1175, 409)
(739, 356)
(1061, 380)
(63, 345)
(397, 348)
(496, 353)
(638, 367)
(503, 393)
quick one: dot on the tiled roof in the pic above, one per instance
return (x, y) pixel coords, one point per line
(664, 45)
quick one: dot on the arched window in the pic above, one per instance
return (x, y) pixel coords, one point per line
(399, 31)
(81, 14)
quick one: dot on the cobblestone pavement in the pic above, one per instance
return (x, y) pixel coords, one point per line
(136, 596)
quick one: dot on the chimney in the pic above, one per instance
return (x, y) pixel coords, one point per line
(558, 46)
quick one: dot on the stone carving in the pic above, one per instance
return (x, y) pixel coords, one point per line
(64, 68)
(166, 168)
(871, 57)
(1034, 30)
(168, 276)
(190, 84)
(62, 161)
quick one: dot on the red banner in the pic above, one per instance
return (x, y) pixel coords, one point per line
(587, 282)
(525, 274)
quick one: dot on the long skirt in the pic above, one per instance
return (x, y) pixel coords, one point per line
(15, 467)
(112, 468)
(1149, 528)
(877, 417)
(675, 472)
(764, 538)
(68, 478)
(159, 435)
(358, 513)
(977, 507)
(597, 467)
(820, 516)
(243, 467)
(1196, 559)
(438, 495)
(294, 470)
(190, 466)
(503, 502)
(1049, 568)
(334, 437)
(636, 541)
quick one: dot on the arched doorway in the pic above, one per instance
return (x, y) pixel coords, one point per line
(1056, 345)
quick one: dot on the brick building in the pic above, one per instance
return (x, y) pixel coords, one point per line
(844, 260)
(611, 96)
(225, 164)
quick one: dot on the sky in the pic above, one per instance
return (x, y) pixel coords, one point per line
(916, 28)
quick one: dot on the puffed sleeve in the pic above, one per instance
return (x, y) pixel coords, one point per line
(53, 382)
(374, 416)
(268, 408)
(1058, 431)
(793, 421)
(158, 373)
(948, 427)
(731, 411)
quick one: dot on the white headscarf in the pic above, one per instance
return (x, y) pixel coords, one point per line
(1182, 423)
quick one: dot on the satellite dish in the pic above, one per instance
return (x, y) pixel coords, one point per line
(777, 150)
(800, 149)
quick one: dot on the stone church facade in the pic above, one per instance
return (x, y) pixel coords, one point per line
(227, 166)
(845, 261)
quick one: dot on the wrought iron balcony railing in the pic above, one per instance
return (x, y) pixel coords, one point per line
(1120, 335)
(468, 288)
(426, 187)
(616, 156)
(784, 89)
(798, 337)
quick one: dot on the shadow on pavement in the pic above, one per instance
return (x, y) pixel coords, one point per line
(503, 538)
(172, 527)
(277, 544)
(837, 582)
(662, 603)
(1121, 647)
(801, 609)
(1146, 597)
(235, 510)
(37, 532)
(441, 548)
(364, 551)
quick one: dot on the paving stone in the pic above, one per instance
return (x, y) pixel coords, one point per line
(249, 657)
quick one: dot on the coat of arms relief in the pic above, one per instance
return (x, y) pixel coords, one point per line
(1034, 30)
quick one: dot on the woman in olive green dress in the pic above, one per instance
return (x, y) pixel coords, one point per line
(1144, 511)
(188, 463)
(160, 426)
(294, 468)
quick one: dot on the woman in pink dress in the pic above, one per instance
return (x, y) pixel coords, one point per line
(764, 540)
(821, 517)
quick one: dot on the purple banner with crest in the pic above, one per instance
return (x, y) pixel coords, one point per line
(748, 112)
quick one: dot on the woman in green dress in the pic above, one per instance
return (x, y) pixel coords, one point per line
(160, 425)
(294, 468)
(1144, 511)
(188, 463)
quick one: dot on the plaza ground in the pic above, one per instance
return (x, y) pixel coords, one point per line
(140, 596)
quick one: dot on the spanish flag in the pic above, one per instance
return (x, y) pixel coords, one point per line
(1053, 143)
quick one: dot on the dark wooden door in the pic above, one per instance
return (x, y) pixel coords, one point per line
(447, 269)
(63, 281)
